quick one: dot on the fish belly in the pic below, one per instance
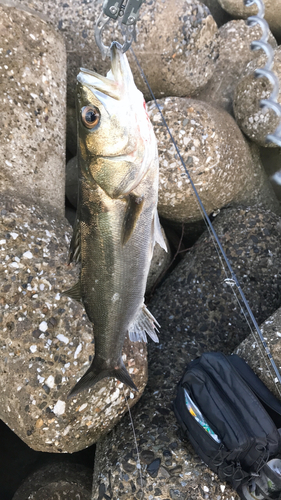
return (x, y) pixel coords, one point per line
(113, 275)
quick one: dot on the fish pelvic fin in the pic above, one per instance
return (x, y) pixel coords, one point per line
(74, 292)
(133, 211)
(158, 236)
(144, 324)
(75, 248)
(95, 373)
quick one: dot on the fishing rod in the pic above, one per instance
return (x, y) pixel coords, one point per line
(128, 12)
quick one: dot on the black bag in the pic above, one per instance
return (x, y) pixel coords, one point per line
(233, 423)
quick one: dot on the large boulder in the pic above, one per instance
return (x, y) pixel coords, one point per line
(57, 481)
(219, 160)
(176, 43)
(237, 8)
(234, 48)
(253, 352)
(256, 122)
(46, 340)
(198, 312)
(33, 107)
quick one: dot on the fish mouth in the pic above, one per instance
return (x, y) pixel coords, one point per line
(130, 157)
(118, 81)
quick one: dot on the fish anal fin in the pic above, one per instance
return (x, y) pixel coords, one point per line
(144, 324)
(133, 211)
(74, 292)
(96, 373)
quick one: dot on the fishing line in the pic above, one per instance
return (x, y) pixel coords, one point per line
(135, 440)
(215, 239)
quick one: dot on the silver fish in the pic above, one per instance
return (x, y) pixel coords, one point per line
(117, 222)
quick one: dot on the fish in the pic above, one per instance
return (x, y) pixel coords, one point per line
(117, 223)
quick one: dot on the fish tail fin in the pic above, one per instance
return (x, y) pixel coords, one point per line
(96, 373)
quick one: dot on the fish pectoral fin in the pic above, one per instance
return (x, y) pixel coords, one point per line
(133, 211)
(158, 236)
(75, 247)
(74, 292)
(96, 373)
(144, 324)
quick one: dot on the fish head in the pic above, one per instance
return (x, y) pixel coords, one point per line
(115, 135)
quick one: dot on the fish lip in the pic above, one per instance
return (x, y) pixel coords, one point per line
(130, 157)
(119, 82)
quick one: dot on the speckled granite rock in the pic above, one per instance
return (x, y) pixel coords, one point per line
(195, 298)
(251, 351)
(235, 53)
(197, 312)
(32, 101)
(255, 122)
(46, 340)
(176, 45)
(216, 154)
(237, 8)
(57, 482)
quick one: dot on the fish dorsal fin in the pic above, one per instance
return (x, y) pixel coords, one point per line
(75, 246)
(144, 323)
(74, 292)
(133, 211)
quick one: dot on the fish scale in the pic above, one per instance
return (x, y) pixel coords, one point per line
(117, 222)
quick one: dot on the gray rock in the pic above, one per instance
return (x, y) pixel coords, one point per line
(237, 8)
(176, 47)
(71, 130)
(219, 14)
(198, 312)
(70, 215)
(253, 353)
(32, 101)
(271, 160)
(216, 154)
(235, 53)
(255, 122)
(57, 481)
(71, 181)
(176, 42)
(46, 341)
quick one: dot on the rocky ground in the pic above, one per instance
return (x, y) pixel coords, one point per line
(198, 61)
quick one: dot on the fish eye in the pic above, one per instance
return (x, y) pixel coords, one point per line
(90, 116)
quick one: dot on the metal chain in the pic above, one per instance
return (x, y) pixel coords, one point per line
(271, 102)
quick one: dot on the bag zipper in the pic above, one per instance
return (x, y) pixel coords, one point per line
(252, 392)
(230, 407)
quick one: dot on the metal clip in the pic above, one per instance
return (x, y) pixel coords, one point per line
(113, 9)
